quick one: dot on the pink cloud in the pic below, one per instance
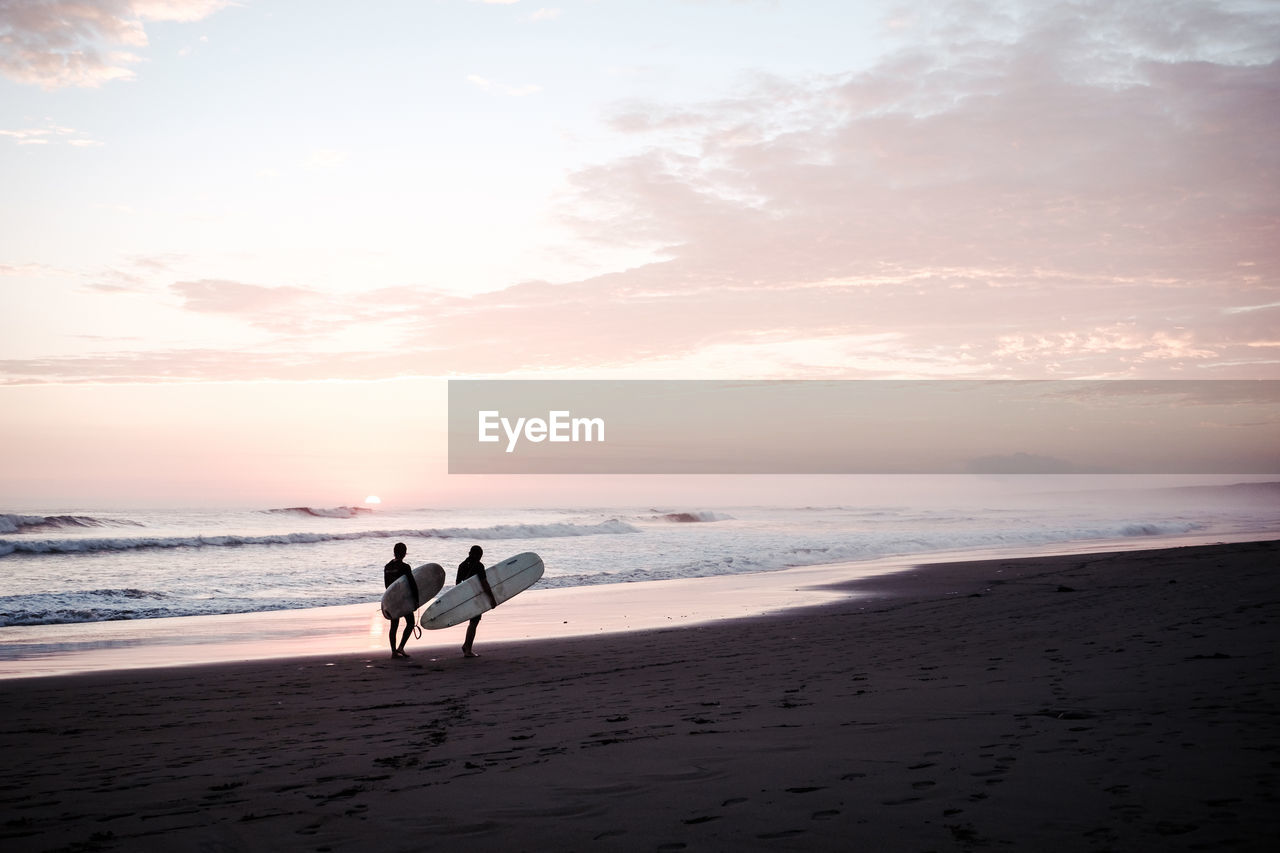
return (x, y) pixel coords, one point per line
(289, 310)
(1083, 196)
(231, 297)
(637, 317)
(57, 43)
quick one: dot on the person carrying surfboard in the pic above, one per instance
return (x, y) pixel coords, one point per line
(391, 572)
(472, 567)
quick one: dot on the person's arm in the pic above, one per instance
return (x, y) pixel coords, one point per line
(413, 588)
(484, 582)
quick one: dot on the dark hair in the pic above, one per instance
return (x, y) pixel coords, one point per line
(400, 549)
(476, 551)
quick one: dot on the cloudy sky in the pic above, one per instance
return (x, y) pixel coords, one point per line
(242, 244)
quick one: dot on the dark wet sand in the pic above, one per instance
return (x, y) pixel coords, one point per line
(1122, 702)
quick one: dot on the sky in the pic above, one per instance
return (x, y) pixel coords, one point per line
(243, 245)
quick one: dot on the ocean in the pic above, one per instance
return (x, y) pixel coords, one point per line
(77, 565)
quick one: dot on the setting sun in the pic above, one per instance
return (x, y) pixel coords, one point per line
(373, 499)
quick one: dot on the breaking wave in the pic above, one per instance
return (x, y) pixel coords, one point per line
(690, 517)
(13, 523)
(317, 512)
(1144, 529)
(499, 531)
(95, 605)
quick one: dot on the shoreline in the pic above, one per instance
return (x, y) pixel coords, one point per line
(1103, 701)
(539, 614)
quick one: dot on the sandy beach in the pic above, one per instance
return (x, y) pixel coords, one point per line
(1124, 701)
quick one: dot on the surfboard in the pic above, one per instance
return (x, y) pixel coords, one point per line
(397, 601)
(507, 579)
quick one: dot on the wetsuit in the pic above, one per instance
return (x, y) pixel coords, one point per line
(395, 569)
(468, 568)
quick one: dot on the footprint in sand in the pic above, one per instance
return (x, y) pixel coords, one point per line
(610, 833)
(900, 802)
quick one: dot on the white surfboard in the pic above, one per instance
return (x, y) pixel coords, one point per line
(507, 579)
(397, 601)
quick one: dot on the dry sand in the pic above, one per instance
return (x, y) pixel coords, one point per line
(1126, 701)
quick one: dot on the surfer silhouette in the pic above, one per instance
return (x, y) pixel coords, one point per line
(390, 573)
(472, 567)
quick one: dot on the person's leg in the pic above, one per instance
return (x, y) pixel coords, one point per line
(471, 638)
(408, 629)
(395, 623)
